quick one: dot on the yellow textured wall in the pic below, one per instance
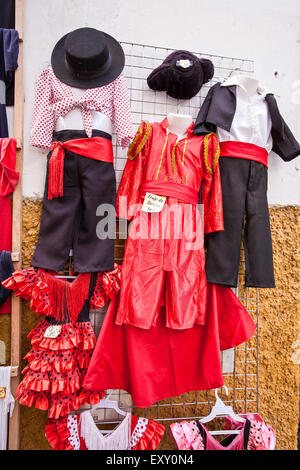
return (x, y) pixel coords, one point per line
(278, 331)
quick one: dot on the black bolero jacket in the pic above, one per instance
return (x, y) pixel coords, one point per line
(218, 110)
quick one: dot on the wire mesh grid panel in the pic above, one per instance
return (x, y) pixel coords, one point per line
(240, 365)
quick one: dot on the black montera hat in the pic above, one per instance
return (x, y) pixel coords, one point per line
(181, 75)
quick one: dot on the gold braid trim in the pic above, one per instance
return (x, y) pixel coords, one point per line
(140, 132)
(161, 157)
(183, 153)
(173, 159)
(217, 154)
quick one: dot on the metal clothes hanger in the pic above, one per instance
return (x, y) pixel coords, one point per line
(236, 69)
(220, 409)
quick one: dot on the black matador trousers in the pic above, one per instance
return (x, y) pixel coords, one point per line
(244, 191)
(71, 221)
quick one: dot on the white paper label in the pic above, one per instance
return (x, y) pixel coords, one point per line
(228, 361)
(52, 331)
(153, 203)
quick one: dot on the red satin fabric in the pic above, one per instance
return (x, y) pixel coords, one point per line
(164, 261)
(162, 362)
(8, 180)
(171, 189)
(96, 148)
(162, 159)
(244, 150)
(161, 269)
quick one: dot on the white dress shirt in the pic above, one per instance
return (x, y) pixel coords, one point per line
(252, 121)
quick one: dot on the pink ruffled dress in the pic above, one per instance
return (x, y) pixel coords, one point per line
(254, 435)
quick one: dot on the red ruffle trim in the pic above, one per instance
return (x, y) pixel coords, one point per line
(56, 370)
(31, 285)
(151, 437)
(79, 335)
(107, 286)
(58, 434)
(22, 282)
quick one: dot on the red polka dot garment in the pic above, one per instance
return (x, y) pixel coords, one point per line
(62, 344)
(54, 99)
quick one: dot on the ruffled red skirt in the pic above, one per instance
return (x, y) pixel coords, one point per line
(57, 366)
(162, 362)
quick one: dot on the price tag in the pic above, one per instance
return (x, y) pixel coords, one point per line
(2, 392)
(52, 331)
(153, 203)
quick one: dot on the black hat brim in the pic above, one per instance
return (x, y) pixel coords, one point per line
(61, 71)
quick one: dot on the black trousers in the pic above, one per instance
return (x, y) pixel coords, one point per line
(244, 190)
(71, 221)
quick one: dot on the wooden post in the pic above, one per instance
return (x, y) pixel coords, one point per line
(14, 422)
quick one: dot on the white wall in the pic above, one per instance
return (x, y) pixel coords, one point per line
(267, 31)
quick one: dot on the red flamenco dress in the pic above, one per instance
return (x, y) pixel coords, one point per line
(161, 362)
(8, 180)
(63, 342)
(79, 432)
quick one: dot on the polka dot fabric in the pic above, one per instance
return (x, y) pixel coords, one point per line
(74, 438)
(56, 370)
(54, 99)
(138, 431)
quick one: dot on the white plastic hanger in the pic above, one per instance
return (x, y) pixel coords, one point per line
(220, 409)
(107, 403)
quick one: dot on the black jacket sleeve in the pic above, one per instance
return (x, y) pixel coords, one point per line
(284, 142)
(287, 148)
(203, 127)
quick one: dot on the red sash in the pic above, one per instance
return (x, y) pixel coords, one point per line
(96, 148)
(244, 150)
(171, 189)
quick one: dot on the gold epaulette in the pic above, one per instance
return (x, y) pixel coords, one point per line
(216, 156)
(139, 140)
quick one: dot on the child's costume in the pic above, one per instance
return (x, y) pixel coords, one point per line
(254, 435)
(79, 432)
(164, 262)
(80, 172)
(62, 343)
(248, 126)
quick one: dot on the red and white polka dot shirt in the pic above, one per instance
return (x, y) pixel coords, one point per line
(54, 99)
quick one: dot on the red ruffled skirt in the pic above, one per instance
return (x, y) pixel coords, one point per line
(162, 362)
(57, 366)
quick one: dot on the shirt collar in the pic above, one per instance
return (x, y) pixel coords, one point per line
(164, 126)
(234, 80)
